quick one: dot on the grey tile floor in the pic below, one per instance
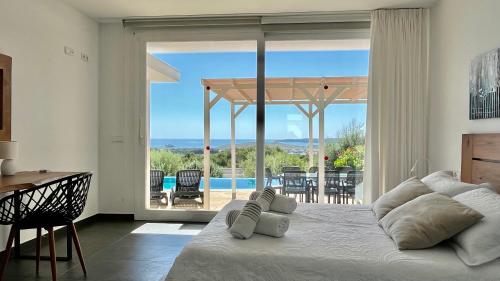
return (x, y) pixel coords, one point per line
(113, 251)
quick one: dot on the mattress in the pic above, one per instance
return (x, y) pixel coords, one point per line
(324, 242)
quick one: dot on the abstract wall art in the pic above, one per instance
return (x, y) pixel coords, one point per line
(484, 86)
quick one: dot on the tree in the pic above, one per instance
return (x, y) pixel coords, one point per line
(351, 135)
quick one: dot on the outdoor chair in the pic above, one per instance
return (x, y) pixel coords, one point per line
(312, 182)
(270, 178)
(290, 169)
(294, 182)
(332, 185)
(187, 185)
(156, 186)
(52, 204)
(353, 179)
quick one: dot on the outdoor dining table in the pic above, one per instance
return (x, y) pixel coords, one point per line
(310, 177)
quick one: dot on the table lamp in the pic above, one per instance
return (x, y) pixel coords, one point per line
(8, 152)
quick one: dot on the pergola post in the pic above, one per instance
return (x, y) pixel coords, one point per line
(233, 151)
(321, 146)
(206, 150)
(311, 139)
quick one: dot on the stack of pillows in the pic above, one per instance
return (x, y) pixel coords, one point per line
(254, 217)
(419, 214)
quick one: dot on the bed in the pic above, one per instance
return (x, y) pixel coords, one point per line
(324, 242)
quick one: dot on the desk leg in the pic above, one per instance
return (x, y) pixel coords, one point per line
(17, 244)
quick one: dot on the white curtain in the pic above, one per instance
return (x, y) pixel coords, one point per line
(396, 133)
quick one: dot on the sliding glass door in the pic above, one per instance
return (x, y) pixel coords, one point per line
(241, 106)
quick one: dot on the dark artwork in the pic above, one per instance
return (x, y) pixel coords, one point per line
(484, 86)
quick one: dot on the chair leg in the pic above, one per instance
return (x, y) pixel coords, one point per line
(8, 248)
(76, 241)
(38, 247)
(52, 248)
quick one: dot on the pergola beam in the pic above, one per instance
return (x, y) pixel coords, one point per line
(302, 109)
(321, 148)
(206, 149)
(311, 138)
(285, 85)
(240, 110)
(233, 152)
(305, 102)
(214, 101)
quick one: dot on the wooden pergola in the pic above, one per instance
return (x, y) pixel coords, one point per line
(309, 95)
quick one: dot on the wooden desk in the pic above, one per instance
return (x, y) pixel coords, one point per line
(26, 180)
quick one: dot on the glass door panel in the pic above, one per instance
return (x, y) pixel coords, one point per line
(315, 114)
(202, 118)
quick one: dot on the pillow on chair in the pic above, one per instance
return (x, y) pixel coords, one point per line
(404, 192)
(427, 220)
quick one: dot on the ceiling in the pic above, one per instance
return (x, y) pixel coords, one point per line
(110, 10)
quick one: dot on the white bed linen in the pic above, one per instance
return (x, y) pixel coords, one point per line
(324, 242)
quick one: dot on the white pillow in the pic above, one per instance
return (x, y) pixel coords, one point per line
(481, 242)
(445, 183)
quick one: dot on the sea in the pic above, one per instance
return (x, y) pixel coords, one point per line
(218, 143)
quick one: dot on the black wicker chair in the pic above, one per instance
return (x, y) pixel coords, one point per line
(156, 186)
(56, 203)
(353, 178)
(270, 178)
(332, 185)
(295, 183)
(187, 185)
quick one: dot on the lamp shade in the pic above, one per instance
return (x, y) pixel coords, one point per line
(8, 149)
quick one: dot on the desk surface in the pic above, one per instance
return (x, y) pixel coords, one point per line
(25, 180)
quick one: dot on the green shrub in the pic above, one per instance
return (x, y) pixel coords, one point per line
(166, 160)
(170, 162)
(352, 157)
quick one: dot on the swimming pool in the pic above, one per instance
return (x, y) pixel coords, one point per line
(215, 183)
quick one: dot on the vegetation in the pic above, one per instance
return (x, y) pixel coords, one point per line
(170, 162)
(348, 150)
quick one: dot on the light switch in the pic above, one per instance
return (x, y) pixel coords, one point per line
(69, 51)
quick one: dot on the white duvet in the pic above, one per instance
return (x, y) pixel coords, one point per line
(324, 242)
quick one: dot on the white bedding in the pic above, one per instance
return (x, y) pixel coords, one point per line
(324, 242)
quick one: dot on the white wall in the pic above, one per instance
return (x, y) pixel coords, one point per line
(116, 140)
(460, 30)
(54, 96)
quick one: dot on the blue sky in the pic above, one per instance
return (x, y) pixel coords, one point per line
(177, 108)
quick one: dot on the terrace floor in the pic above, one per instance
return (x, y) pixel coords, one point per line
(218, 199)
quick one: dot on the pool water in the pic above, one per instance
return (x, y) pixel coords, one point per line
(215, 183)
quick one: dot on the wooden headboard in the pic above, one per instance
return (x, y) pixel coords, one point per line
(481, 159)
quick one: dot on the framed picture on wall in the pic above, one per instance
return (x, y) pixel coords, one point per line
(484, 86)
(5, 95)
